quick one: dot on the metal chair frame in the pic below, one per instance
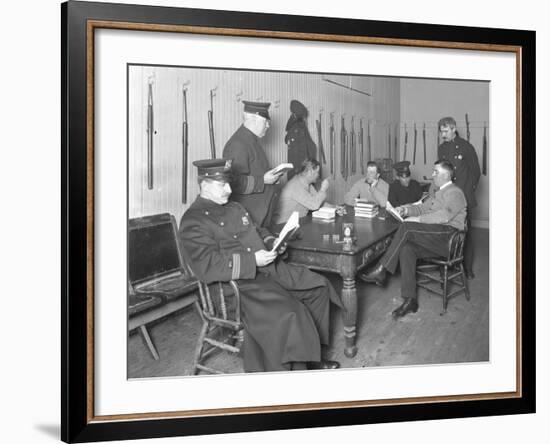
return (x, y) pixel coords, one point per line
(215, 318)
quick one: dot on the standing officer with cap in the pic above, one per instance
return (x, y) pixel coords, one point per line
(404, 190)
(284, 308)
(253, 182)
(463, 156)
(300, 144)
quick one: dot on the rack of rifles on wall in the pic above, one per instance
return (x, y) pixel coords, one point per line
(351, 143)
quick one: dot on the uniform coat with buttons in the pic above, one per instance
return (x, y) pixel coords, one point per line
(248, 168)
(463, 156)
(401, 195)
(284, 308)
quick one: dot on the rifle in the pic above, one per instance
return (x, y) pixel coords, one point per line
(484, 159)
(353, 151)
(362, 147)
(406, 140)
(211, 125)
(184, 146)
(150, 131)
(343, 153)
(424, 141)
(368, 142)
(389, 141)
(414, 149)
(395, 150)
(332, 134)
(320, 140)
(467, 128)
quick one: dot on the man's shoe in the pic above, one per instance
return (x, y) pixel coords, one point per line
(323, 365)
(410, 305)
(376, 276)
(469, 274)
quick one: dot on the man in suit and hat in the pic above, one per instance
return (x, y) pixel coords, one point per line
(284, 308)
(300, 144)
(404, 190)
(253, 183)
(463, 156)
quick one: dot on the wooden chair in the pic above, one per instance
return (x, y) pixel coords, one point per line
(438, 274)
(222, 328)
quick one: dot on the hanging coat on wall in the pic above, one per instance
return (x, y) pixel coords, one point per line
(300, 144)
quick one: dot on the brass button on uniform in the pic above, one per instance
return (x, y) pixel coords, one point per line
(248, 249)
(234, 236)
(222, 224)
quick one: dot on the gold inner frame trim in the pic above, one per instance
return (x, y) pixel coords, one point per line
(92, 25)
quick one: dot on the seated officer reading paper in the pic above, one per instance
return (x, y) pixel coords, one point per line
(284, 308)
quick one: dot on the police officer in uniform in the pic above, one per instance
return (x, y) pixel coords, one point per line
(300, 144)
(463, 156)
(284, 308)
(253, 184)
(404, 190)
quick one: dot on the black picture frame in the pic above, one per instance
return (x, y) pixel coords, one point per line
(78, 423)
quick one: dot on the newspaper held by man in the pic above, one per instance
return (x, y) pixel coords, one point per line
(393, 211)
(292, 224)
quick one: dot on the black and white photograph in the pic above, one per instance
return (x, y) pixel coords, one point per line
(305, 221)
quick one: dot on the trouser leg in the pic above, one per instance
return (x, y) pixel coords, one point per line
(408, 257)
(433, 237)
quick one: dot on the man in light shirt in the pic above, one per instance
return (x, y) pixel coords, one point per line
(299, 193)
(371, 187)
(424, 233)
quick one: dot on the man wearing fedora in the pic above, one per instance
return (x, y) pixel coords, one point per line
(253, 183)
(404, 190)
(284, 308)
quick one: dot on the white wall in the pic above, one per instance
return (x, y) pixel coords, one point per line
(29, 374)
(425, 101)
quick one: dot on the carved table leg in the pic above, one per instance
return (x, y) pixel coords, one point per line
(349, 298)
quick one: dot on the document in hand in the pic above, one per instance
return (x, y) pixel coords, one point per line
(391, 209)
(292, 224)
(282, 168)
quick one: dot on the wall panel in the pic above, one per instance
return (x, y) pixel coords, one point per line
(230, 87)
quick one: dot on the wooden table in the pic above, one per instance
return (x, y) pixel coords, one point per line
(373, 236)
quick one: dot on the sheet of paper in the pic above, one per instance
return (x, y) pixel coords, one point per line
(291, 225)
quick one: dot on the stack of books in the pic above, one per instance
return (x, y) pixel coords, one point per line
(365, 208)
(326, 212)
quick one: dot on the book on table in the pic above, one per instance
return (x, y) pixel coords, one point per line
(326, 212)
(365, 208)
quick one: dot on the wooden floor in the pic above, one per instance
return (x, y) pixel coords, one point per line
(426, 337)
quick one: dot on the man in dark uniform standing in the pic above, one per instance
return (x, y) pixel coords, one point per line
(463, 156)
(284, 308)
(404, 190)
(253, 184)
(300, 144)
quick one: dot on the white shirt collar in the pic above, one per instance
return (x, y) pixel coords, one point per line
(445, 184)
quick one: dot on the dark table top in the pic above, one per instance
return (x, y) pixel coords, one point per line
(367, 232)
